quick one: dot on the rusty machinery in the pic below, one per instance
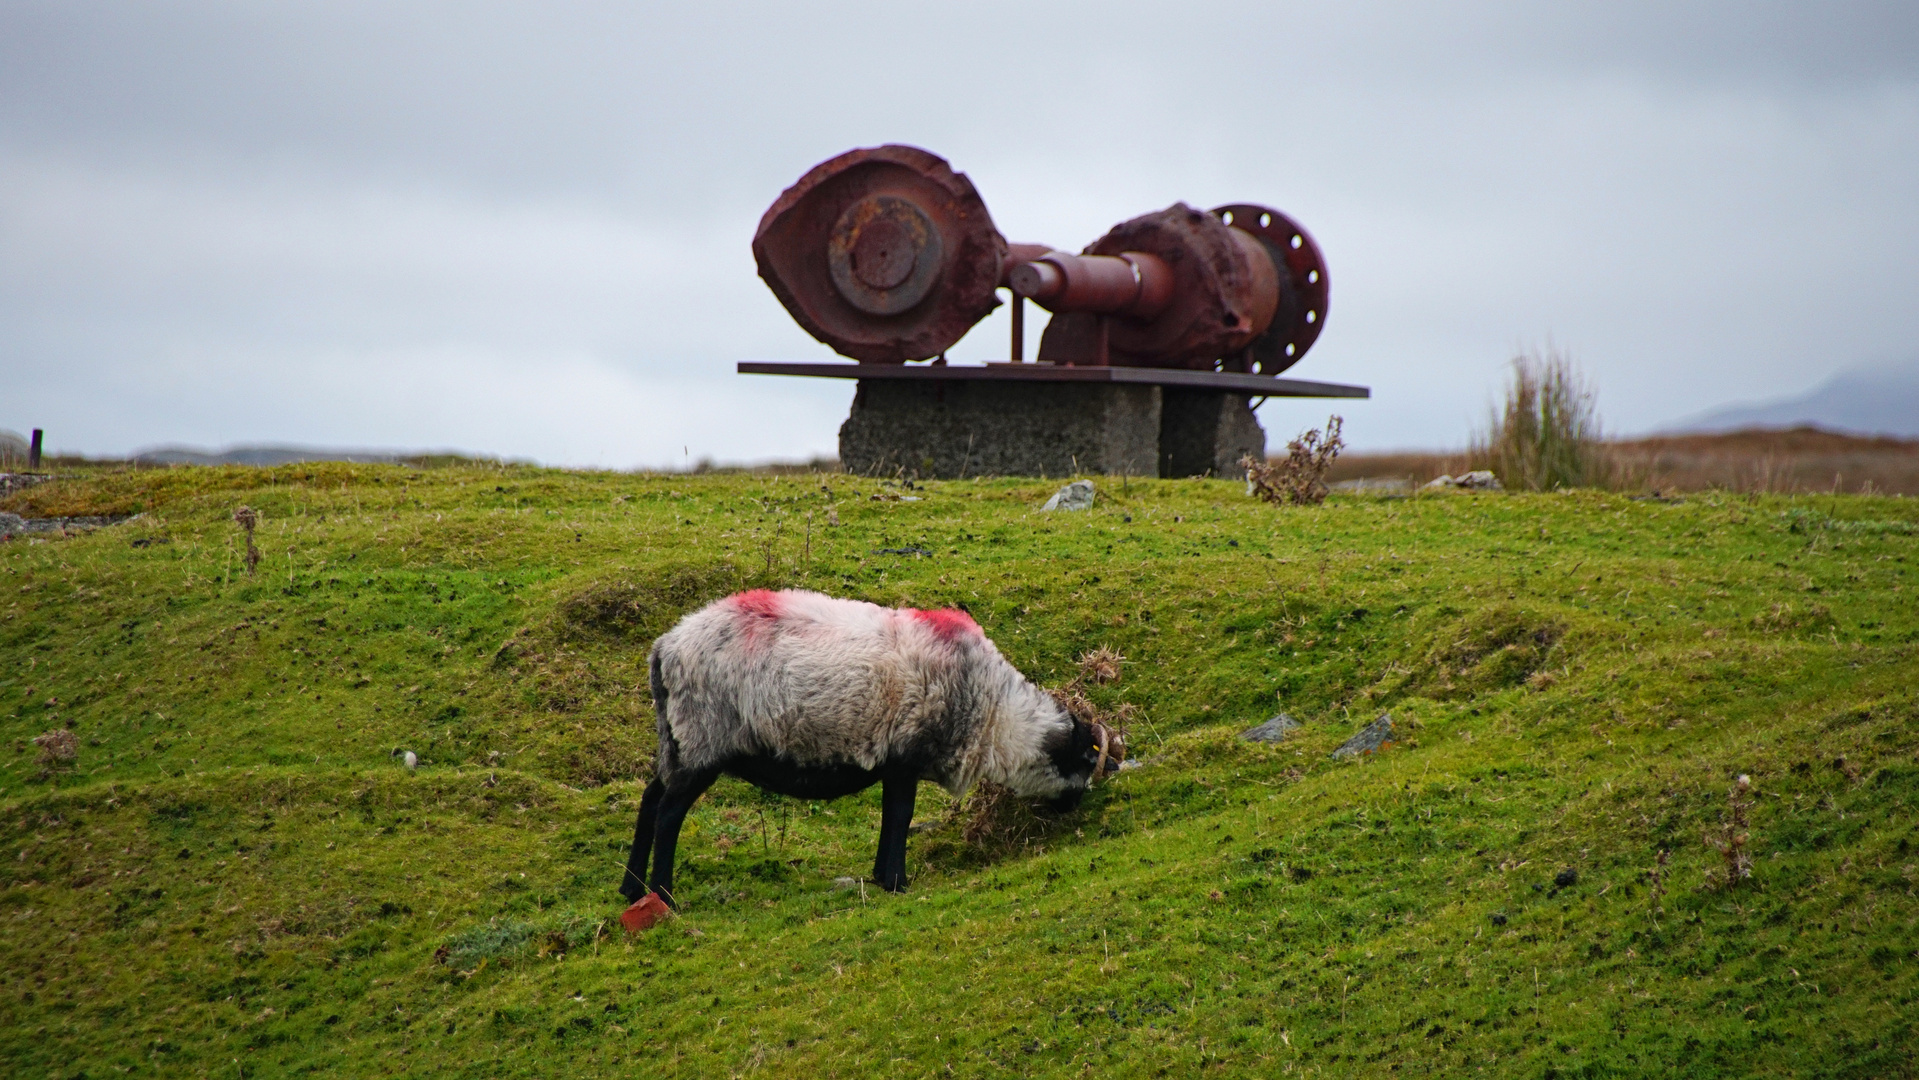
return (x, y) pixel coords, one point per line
(888, 255)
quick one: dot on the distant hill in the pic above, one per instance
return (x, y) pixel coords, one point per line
(287, 455)
(1870, 401)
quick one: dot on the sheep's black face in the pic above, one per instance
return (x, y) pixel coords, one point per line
(1074, 753)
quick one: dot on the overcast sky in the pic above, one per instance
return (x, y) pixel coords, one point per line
(524, 229)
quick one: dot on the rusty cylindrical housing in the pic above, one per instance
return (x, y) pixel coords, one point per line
(1224, 292)
(1248, 294)
(886, 254)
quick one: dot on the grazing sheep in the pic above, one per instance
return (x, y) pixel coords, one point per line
(815, 697)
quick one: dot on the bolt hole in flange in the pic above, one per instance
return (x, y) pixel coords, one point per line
(1303, 285)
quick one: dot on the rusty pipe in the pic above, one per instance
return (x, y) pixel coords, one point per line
(1131, 283)
(1018, 255)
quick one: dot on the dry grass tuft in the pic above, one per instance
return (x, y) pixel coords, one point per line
(997, 822)
(58, 749)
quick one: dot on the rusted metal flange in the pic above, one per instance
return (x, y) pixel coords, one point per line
(1303, 288)
(886, 254)
(1225, 290)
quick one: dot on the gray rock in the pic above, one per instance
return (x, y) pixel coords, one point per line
(1372, 738)
(846, 884)
(15, 525)
(1077, 495)
(1375, 485)
(1477, 480)
(1272, 730)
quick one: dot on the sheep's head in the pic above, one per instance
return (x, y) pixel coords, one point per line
(1081, 743)
(1086, 748)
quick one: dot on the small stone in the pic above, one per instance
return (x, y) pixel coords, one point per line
(1272, 730)
(846, 883)
(1567, 879)
(1077, 495)
(1371, 739)
(1477, 480)
(1375, 485)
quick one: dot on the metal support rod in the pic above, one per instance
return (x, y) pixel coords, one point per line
(1019, 328)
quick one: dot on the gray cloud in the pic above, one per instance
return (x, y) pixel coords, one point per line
(440, 224)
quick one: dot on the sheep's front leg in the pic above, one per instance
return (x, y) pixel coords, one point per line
(674, 803)
(896, 817)
(633, 884)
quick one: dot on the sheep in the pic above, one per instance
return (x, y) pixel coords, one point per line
(815, 697)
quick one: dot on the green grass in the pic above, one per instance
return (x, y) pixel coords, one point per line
(235, 877)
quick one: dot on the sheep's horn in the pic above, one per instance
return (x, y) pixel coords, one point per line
(1105, 738)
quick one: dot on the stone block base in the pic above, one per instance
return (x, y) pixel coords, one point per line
(1205, 433)
(936, 429)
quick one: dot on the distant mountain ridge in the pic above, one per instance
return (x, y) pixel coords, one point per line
(283, 455)
(1868, 401)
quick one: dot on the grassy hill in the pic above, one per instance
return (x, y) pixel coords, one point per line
(235, 877)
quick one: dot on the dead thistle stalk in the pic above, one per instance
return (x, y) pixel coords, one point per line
(248, 518)
(1299, 480)
(1656, 882)
(1733, 837)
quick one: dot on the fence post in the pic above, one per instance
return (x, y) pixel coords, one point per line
(33, 452)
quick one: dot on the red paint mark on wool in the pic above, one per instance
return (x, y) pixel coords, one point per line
(758, 603)
(757, 610)
(948, 624)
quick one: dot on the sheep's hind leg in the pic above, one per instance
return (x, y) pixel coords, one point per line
(633, 884)
(896, 818)
(674, 803)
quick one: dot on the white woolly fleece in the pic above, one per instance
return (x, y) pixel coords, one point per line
(823, 681)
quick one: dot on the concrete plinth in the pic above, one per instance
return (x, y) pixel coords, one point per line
(1205, 433)
(958, 429)
(938, 429)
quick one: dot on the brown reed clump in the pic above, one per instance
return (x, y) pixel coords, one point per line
(1546, 434)
(1300, 478)
(248, 518)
